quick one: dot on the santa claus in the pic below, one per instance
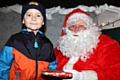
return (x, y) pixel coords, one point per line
(85, 52)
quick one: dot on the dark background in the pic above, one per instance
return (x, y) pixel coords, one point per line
(62, 3)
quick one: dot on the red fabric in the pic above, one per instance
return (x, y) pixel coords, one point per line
(57, 73)
(105, 60)
(62, 33)
(71, 13)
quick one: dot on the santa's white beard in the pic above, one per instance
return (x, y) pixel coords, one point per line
(81, 45)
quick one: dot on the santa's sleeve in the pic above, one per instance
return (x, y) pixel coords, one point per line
(107, 65)
(61, 60)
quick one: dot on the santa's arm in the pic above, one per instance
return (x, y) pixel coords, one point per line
(83, 75)
(108, 63)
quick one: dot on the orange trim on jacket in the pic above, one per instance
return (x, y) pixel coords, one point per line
(24, 68)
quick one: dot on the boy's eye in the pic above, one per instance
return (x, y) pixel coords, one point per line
(38, 15)
(28, 15)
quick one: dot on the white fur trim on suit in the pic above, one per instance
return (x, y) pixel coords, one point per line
(71, 63)
(76, 75)
(89, 75)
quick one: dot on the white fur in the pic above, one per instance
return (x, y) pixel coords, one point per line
(71, 63)
(79, 46)
(80, 16)
(89, 75)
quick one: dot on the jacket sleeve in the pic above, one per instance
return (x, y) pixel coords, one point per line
(6, 59)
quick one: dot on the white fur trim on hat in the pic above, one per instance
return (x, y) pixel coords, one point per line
(79, 16)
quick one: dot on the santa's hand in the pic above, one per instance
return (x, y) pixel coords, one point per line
(76, 75)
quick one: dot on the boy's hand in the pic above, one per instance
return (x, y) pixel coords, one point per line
(53, 65)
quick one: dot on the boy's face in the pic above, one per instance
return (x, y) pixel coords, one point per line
(33, 20)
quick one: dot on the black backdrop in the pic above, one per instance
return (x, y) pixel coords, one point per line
(62, 3)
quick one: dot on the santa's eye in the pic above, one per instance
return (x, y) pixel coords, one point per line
(80, 26)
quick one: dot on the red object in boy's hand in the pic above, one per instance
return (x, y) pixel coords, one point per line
(57, 73)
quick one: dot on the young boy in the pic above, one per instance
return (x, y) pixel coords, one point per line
(28, 52)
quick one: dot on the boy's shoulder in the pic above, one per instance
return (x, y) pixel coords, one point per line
(16, 34)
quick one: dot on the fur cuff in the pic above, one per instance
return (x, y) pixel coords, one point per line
(89, 75)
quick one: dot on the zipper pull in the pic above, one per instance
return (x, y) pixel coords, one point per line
(35, 43)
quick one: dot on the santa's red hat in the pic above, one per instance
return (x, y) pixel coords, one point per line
(76, 13)
(73, 12)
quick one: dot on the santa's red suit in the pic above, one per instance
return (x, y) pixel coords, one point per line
(103, 63)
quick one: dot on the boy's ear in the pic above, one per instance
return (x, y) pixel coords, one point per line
(43, 23)
(23, 21)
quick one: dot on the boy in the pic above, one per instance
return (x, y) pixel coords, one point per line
(28, 52)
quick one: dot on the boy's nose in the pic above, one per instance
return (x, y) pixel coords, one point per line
(33, 18)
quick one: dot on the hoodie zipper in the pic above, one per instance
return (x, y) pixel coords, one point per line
(36, 54)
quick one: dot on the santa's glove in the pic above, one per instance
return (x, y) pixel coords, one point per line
(53, 65)
(76, 75)
(83, 75)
